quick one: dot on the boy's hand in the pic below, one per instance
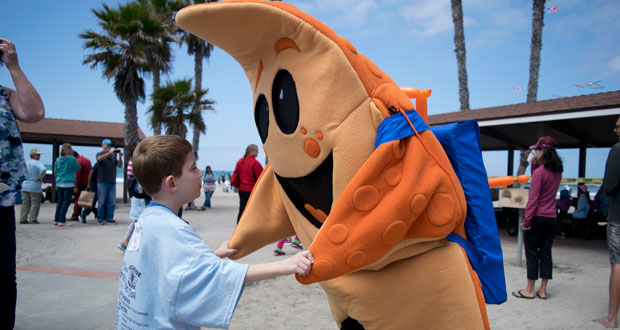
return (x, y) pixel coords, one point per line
(224, 250)
(300, 263)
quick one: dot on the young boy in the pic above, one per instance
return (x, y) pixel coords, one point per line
(170, 278)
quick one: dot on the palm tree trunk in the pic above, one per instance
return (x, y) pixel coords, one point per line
(198, 57)
(538, 17)
(523, 164)
(156, 85)
(459, 49)
(131, 129)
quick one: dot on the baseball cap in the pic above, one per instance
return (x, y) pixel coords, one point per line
(545, 142)
(582, 187)
(35, 151)
(106, 141)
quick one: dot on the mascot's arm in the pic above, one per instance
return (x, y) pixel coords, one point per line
(399, 192)
(264, 220)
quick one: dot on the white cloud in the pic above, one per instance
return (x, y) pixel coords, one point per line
(614, 63)
(510, 18)
(429, 18)
(344, 12)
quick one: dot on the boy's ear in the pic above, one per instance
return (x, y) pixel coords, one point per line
(169, 184)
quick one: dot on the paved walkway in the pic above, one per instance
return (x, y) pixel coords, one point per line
(67, 279)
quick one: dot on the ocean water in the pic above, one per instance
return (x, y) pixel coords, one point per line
(119, 173)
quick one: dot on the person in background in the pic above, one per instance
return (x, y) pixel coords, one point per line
(601, 203)
(611, 186)
(64, 170)
(295, 243)
(249, 170)
(81, 182)
(24, 104)
(92, 186)
(129, 168)
(539, 223)
(107, 159)
(31, 189)
(583, 202)
(208, 185)
(139, 201)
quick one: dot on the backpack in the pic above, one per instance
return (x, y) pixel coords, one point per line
(134, 189)
(461, 142)
(132, 185)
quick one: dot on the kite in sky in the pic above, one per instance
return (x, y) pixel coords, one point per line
(517, 89)
(553, 9)
(591, 85)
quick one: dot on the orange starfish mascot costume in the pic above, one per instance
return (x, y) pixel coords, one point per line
(375, 218)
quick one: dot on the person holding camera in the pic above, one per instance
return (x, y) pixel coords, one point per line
(107, 160)
(24, 104)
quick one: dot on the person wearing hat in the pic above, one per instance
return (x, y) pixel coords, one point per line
(107, 159)
(31, 188)
(583, 202)
(611, 186)
(539, 223)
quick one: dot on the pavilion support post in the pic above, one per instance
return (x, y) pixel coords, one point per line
(54, 157)
(582, 162)
(511, 161)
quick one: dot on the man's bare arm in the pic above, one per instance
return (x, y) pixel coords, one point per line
(25, 101)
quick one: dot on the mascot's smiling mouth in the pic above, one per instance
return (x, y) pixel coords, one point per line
(312, 194)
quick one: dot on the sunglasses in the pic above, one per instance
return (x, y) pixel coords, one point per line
(617, 126)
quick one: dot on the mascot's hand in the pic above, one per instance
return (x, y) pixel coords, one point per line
(299, 264)
(224, 250)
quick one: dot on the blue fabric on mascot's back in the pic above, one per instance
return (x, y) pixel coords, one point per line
(461, 142)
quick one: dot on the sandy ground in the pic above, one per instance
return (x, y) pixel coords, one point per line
(577, 293)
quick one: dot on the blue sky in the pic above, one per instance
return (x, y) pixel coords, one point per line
(412, 41)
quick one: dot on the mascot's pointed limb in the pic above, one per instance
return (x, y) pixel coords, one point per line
(378, 209)
(264, 220)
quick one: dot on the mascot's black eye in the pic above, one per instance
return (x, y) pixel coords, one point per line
(261, 116)
(285, 102)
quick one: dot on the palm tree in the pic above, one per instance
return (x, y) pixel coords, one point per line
(120, 50)
(159, 53)
(201, 51)
(538, 17)
(174, 104)
(459, 49)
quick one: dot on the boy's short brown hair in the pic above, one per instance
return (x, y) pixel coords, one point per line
(157, 157)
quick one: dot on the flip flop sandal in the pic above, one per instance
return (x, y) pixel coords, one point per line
(519, 294)
(539, 296)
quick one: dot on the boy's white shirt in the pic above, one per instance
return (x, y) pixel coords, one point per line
(171, 279)
(134, 242)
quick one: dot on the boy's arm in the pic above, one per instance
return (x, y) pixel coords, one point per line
(299, 264)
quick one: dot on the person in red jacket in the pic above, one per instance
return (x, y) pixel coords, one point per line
(81, 182)
(248, 169)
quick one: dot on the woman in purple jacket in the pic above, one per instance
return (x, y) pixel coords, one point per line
(540, 217)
